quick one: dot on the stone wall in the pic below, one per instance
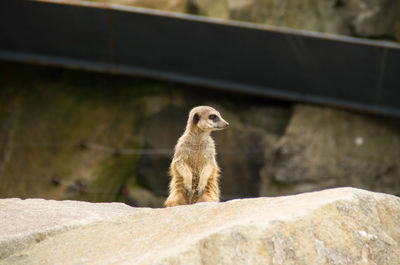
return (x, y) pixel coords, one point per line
(325, 147)
(77, 135)
(362, 18)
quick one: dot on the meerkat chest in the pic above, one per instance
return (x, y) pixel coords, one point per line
(199, 158)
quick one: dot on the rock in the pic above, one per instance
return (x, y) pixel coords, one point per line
(377, 18)
(109, 139)
(338, 226)
(270, 147)
(39, 141)
(27, 222)
(167, 5)
(324, 147)
(245, 147)
(210, 8)
(161, 133)
(141, 197)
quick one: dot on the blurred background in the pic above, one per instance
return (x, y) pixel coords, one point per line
(101, 137)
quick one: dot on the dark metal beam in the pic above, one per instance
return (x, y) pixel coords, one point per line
(237, 56)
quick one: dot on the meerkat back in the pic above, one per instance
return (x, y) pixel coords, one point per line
(194, 170)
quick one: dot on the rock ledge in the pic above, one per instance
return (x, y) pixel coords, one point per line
(336, 226)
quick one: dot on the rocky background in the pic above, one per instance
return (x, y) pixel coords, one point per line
(363, 18)
(68, 134)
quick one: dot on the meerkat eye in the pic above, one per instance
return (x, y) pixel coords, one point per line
(196, 118)
(213, 117)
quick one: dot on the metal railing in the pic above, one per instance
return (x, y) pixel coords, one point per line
(235, 56)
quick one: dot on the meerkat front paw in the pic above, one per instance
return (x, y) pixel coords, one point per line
(189, 191)
(200, 192)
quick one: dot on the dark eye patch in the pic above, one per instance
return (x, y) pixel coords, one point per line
(196, 118)
(213, 117)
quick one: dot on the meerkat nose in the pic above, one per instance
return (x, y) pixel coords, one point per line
(226, 124)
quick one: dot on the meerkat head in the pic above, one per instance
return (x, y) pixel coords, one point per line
(206, 119)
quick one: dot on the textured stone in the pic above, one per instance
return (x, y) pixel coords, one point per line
(375, 18)
(245, 147)
(168, 5)
(324, 147)
(367, 18)
(286, 149)
(141, 197)
(161, 133)
(142, 119)
(26, 222)
(338, 226)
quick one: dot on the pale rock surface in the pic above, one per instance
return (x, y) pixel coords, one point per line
(337, 226)
(25, 222)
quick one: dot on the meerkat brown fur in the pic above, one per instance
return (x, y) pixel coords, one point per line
(194, 171)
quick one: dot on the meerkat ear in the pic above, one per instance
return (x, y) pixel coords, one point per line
(196, 118)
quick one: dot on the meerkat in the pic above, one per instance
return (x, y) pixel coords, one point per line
(194, 170)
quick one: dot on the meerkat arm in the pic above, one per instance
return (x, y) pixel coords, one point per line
(185, 172)
(204, 175)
